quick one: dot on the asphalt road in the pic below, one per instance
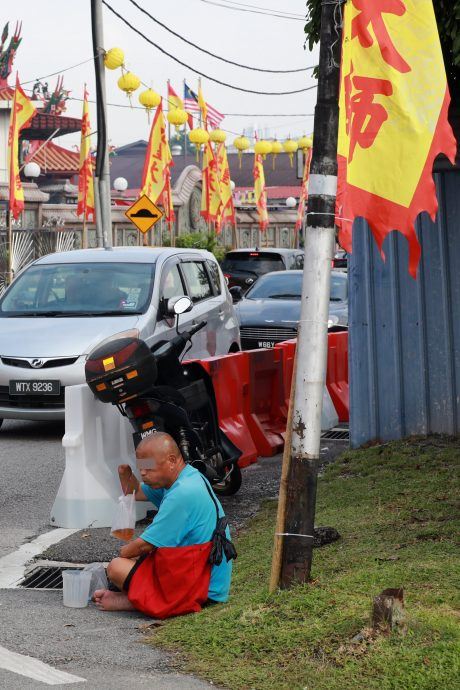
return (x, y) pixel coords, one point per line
(105, 649)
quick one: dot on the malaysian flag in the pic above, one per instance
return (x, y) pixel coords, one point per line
(191, 104)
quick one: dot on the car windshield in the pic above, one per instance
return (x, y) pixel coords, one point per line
(253, 262)
(80, 289)
(288, 285)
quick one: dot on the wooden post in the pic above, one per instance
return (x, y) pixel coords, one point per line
(277, 557)
(84, 235)
(10, 245)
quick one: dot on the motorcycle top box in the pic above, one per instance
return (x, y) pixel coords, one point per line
(120, 370)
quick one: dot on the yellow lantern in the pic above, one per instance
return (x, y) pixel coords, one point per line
(305, 143)
(198, 137)
(177, 117)
(149, 99)
(290, 146)
(114, 58)
(277, 148)
(128, 83)
(263, 147)
(241, 144)
(218, 136)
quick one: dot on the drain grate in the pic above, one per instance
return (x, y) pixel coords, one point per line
(46, 577)
(336, 434)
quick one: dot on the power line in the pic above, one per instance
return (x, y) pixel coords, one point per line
(257, 7)
(239, 9)
(53, 74)
(202, 74)
(217, 57)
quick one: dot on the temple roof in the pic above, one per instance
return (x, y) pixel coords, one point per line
(43, 126)
(54, 159)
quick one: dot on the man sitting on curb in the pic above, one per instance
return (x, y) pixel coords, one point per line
(182, 561)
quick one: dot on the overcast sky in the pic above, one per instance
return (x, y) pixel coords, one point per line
(57, 34)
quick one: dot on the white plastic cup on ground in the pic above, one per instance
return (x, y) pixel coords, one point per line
(75, 587)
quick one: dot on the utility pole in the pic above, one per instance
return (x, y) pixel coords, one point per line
(102, 172)
(311, 355)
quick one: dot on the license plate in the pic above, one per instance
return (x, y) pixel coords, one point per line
(51, 387)
(266, 343)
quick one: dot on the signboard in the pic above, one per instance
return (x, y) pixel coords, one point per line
(144, 214)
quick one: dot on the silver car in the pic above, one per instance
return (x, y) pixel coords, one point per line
(63, 305)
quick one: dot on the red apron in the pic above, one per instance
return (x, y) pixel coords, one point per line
(172, 581)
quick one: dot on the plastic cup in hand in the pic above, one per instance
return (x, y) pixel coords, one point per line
(75, 585)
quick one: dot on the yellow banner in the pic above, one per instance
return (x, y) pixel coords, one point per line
(393, 88)
(210, 195)
(85, 203)
(156, 177)
(22, 112)
(259, 191)
(227, 210)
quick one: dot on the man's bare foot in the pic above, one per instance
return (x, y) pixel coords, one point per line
(106, 600)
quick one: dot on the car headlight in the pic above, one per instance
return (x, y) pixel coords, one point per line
(131, 333)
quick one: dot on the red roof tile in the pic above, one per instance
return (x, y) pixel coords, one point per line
(54, 159)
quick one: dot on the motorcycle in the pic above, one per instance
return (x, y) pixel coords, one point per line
(156, 391)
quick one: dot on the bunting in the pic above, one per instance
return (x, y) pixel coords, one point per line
(156, 177)
(85, 202)
(303, 193)
(227, 210)
(22, 112)
(393, 122)
(259, 191)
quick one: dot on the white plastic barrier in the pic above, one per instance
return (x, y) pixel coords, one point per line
(329, 416)
(97, 439)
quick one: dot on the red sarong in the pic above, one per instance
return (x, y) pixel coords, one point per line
(172, 581)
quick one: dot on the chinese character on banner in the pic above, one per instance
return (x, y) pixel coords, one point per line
(394, 101)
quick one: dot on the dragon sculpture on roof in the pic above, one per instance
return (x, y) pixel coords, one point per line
(7, 54)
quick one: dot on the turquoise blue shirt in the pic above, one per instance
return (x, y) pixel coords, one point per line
(187, 515)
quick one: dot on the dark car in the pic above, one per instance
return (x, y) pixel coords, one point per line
(269, 312)
(242, 267)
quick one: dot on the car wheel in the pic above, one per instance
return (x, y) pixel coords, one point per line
(231, 485)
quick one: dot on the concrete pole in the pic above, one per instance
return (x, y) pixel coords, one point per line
(313, 329)
(102, 176)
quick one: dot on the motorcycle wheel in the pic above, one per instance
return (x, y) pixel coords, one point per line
(229, 486)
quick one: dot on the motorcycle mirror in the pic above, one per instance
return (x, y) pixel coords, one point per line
(236, 293)
(179, 305)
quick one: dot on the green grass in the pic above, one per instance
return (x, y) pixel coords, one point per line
(396, 500)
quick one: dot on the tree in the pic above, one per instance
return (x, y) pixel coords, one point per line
(448, 18)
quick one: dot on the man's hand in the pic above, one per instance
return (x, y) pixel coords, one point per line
(125, 473)
(130, 483)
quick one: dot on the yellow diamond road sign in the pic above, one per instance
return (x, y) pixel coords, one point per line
(144, 214)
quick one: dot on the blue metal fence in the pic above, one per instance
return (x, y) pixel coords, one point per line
(404, 337)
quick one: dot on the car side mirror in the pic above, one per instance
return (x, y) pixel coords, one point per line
(179, 305)
(236, 293)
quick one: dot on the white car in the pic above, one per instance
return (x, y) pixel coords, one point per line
(63, 305)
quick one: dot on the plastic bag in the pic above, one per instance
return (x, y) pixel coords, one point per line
(124, 519)
(98, 577)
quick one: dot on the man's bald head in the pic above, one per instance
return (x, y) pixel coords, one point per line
(156, 446)
(159, 460)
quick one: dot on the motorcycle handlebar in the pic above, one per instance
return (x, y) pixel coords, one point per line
(197, 328)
